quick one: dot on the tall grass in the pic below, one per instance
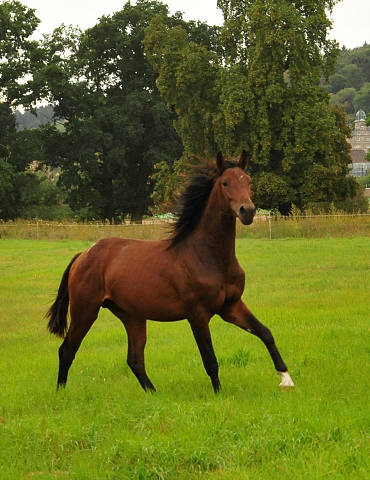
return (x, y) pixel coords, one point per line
(307, 226)
(296, 226)
(312, 293)
(40, 230)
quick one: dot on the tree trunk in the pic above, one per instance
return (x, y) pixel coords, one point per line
(137, 214)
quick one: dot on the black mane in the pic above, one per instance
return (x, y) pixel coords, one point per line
(194, 197)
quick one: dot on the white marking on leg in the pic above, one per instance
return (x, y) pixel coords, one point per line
(286, 380)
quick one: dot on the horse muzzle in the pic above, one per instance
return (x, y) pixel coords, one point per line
(246, 213)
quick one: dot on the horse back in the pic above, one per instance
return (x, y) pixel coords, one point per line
(139, 276)
(147, 279)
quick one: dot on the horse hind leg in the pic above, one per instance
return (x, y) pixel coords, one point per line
(81, 321)
(136, 336)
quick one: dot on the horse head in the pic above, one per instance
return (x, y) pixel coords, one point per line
(235, 188)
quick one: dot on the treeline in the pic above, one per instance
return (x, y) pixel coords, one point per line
(350, 83)
(349, 87)
(143, 93)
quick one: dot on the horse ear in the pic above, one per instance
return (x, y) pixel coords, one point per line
(220, 160)
(243, 160)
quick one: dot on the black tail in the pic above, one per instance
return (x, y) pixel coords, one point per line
(57, 313)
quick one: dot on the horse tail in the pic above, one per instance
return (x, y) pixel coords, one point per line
(57, 313)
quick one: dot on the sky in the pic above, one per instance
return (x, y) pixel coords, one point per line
(351, 18)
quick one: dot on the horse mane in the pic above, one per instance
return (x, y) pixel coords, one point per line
(194, 197)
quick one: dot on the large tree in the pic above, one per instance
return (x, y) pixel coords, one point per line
(189, 59)
(18, 57)
(264, 95)
(117, 125)
(18, 53)
(189, 73)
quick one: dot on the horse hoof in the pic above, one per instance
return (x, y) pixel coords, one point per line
(286, 380)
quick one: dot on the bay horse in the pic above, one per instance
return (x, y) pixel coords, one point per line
(193, 274)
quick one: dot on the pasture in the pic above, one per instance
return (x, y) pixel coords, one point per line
(314, 296)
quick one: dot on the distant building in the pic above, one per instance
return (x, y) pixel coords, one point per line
(360, 142)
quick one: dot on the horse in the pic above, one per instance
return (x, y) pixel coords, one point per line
(192, 274)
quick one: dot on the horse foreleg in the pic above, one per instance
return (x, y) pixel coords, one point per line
(203, 338)
(136, 334)
(238, 314)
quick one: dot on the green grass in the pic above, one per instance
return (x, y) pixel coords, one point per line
(313, 294)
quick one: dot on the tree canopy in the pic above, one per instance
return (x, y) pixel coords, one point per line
(117, 125)
(18, 57)
(264, 94)
(117, 90)
(18, 54)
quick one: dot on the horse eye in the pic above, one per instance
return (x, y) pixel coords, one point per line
(225, 183)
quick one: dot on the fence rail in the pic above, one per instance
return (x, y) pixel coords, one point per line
(264, 226)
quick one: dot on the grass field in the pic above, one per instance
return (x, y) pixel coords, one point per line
(314, 296)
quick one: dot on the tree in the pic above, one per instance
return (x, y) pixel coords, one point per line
(362, 98)
(265, 95)
(7, 190)
(117, 125)
(188, 76)
(18, 54)
(18, 57)
(352, 69)
(345, 98)
(188, 58)
(350, 75)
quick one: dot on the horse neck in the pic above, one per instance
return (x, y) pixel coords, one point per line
(215, 234)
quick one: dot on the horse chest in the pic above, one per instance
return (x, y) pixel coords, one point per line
(210, 286)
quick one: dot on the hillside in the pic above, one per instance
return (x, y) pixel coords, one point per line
(350, 84)
(28, 120)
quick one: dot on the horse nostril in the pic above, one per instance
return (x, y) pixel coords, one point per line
(248, 209)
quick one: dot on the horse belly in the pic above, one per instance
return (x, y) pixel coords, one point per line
(165, 303)
(146, 288)
(142, 298)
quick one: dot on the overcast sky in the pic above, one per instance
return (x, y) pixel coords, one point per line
(351, 17)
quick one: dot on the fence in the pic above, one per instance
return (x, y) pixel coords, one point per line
(264, 226)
